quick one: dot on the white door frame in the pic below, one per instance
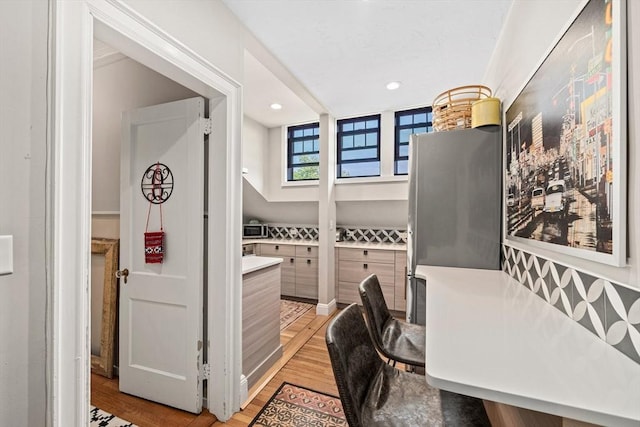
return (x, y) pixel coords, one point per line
(73, 25)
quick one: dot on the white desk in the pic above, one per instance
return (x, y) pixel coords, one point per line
(490, 337)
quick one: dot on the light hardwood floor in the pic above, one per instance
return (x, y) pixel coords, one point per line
(305, 362)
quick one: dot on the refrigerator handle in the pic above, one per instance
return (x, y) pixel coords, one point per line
(405, 283)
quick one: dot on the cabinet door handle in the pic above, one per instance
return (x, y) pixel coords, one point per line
(366, 252)
(277, 247)
(365, 266)
(291, 260)
(308, 249)
(308, 261)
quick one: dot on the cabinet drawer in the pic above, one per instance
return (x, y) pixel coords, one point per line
(307, 277)
(348, 293)
(277, 250)
(367, 255)
(356, 272)
(288, 280)
(307, 251)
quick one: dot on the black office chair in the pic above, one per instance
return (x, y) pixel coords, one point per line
(396, 340)
(375, 394)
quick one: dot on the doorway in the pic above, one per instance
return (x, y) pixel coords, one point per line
(120, 85)
(74, 27)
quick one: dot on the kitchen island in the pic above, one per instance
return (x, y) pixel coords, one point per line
(261, 346)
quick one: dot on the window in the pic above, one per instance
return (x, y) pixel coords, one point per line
(359, 147)
(303, 152)
(417, 120)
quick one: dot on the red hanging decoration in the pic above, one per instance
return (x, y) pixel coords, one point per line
(154, 240)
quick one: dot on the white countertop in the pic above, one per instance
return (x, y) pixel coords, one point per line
(357, 245)
(252, 263)
(373, 245)
(492, 338)
(282, 242)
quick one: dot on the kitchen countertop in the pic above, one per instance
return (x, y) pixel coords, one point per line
(282, 242)
(490, 337)
(344, 244)
(372, 245)
(251, 263)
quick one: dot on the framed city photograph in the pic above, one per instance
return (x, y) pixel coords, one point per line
(566, 143)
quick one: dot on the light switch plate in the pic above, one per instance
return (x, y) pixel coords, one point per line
(6, 255)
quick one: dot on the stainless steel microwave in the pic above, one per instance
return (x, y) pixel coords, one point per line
(255, 231)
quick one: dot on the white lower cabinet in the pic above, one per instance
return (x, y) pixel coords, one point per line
(300, 271)
(307, 278)
(354, 265)
(299, 268)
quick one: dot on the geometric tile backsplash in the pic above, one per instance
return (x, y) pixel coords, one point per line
(353, 234)
(608, 310)
(375, 235)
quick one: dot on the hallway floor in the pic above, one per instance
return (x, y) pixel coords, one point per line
(305, 362)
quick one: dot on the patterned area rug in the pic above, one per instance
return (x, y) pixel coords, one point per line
(290, 311)
(295, 406)
(100, 418)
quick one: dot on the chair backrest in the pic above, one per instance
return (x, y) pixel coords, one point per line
(354, 360)
(376, 309)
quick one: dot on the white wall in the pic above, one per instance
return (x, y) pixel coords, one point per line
(255, 139)
(23, 35)
(536, 25)
(206, 27)
(118, 87)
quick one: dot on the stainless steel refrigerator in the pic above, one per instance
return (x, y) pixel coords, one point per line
(455, 189)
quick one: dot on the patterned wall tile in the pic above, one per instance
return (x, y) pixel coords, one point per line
(588, 302)
(609, 310)
(622, 307)
(354, 234)
(560, 293)
(540, 273)
(293, 232)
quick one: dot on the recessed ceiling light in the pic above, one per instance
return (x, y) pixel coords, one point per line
(393, 85)
(276, 106)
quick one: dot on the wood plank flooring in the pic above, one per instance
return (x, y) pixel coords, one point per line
(305, 362)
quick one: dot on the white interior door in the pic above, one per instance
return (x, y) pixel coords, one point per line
(161, 304)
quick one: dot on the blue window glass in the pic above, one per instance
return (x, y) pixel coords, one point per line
(417, 120)
(358, 147)
(303, 152)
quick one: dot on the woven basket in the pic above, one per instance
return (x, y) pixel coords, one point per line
(452, 108)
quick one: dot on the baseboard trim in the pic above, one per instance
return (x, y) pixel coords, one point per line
(326, 309)
(244, 388)
(262, 368)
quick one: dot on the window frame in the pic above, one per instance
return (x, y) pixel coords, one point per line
(398, 128)
(339, 150)
(291, 140)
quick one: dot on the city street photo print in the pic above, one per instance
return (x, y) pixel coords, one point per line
(565, 142)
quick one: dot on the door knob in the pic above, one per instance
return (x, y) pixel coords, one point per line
(123, 274)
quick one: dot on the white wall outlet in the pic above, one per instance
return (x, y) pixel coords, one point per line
(6, 255)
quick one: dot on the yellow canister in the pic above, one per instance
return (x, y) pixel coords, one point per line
(485, 112)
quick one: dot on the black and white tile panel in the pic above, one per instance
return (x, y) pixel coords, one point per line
(608, 310)
(352, 234)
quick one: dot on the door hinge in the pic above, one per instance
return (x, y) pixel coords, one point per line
(205, 371)
(206, 125)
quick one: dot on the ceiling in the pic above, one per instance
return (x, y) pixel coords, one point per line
(345, 52)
